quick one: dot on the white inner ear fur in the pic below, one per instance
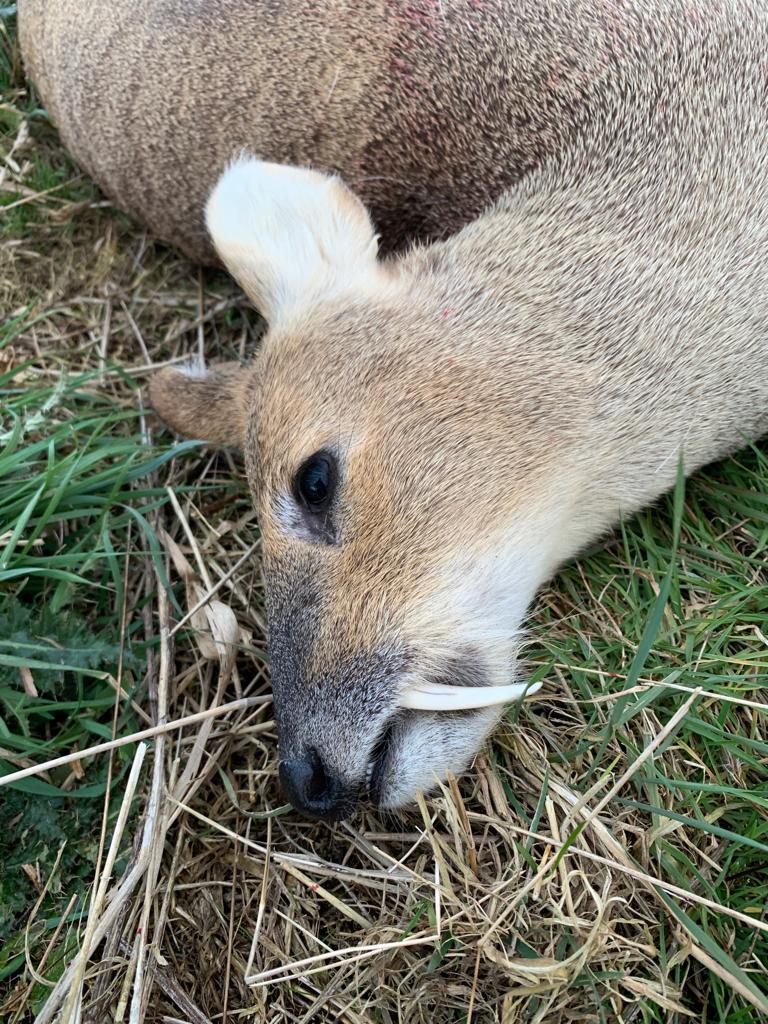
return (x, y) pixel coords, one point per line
(290, 235)
(194, 368)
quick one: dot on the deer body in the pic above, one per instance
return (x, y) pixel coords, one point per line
(473, 411)
(427, 110)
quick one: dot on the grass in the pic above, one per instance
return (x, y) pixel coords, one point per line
(73, 490)
(572, 875)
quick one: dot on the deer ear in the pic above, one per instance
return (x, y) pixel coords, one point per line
(209, 404)
(290, 235)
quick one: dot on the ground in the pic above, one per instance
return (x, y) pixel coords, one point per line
(605, 860)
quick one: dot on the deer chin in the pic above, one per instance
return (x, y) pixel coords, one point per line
(419, 748)
(438, 728)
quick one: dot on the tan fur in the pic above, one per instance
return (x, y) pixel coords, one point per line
(498, 399)
(210, 405)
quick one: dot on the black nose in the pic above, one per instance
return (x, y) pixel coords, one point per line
(315, 791)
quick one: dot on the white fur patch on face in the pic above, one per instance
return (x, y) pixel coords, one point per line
(477, 601)
(290, 235)
(290, 520)
(478, 598)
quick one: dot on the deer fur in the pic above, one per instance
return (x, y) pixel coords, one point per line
(428, 109)
(494, 400)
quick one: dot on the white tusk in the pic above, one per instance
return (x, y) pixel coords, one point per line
(425, 696)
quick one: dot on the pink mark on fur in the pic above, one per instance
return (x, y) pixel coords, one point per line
(421, 20)
(447, 312)
(416, 23)
(402, 70)
(558, 73)
(423, 11)
(618, 19)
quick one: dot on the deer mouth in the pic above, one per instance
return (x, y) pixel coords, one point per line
(378, 763)
(427, 729)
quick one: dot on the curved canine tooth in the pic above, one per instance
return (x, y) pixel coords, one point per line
(425, 696)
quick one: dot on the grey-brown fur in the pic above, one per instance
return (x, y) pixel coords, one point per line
(428, 110)
(496, 399)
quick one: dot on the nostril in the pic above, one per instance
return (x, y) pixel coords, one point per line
(319, 783)
(313, 789)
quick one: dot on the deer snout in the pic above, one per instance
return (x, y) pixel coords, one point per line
(316, 790)
(377, 727)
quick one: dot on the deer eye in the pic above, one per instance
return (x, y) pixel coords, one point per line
(315, 482)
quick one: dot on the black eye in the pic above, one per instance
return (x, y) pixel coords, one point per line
(315, 482)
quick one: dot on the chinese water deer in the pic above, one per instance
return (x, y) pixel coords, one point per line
(431, 432)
